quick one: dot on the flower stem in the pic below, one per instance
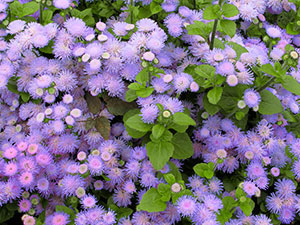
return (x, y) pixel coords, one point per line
(41, 13)
(268, 83)
(213, 34)
(131, 11)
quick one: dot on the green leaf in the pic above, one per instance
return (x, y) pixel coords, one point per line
(124, 212)
(170, 178)
(25, 96)
(12, 85)
(12, 206)
(229, 10)
(159, 153)
(16, 8)
(174, 170)
(292, 28)
(211, 165)
(229, 27)
(29, 8)
(93, 102)
(239, 193)
(291, 85)
(219, 44)
(178, 128)
(176, 196)
(130, 95)
(239, 115)
(40, 220)
(269, 69)
(151, 202)
(210, 108)
(142, 76)
(200, 168)
(228, 203)
(135, 122)
(228, 185)
(183, 146)
(65, 209)
(247, 206)
(226, 213)
(47, 16)
(145, 92)
(205, 71)
(167, 135)
(209, 13)
(200, 28)
(214, 95)
(158, 130)
(5, 215)
(48, 49)
(134, 86)
(238, 49)
(166, 195)
(103, 127)
(183, 119)
(86, 15)
(269, 104)
(208, 174)
(118, 107)
(132, 132)
(144, 12)
(289, 116)
(155, 7)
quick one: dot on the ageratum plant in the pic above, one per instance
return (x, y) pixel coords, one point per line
(149, 112)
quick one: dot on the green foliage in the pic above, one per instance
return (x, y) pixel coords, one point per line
(102, 125)
(214, 95)
(210, 108)
(210, 12)
(86, 15)
(21, 10)
(47, 16)
(145, 92)
(135, 122)
(183, 146)
(200, 28)
(48, 49)
(290, 84)
(204, 170)
(158, 130)
(131, 131)
(229, 10)
(25, 96)
(269, 69)
(238, 49)
(183, 119)
(93, 102)
(229, 27)
(247, 206)
(142, 76)
(269, 104)
(159, 153)
(228, 209)
(130, 95)
(67, 210)
(151, 202)
(153, 8)
(118, 107)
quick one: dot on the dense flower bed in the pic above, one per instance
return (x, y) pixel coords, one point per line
(150, 112)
